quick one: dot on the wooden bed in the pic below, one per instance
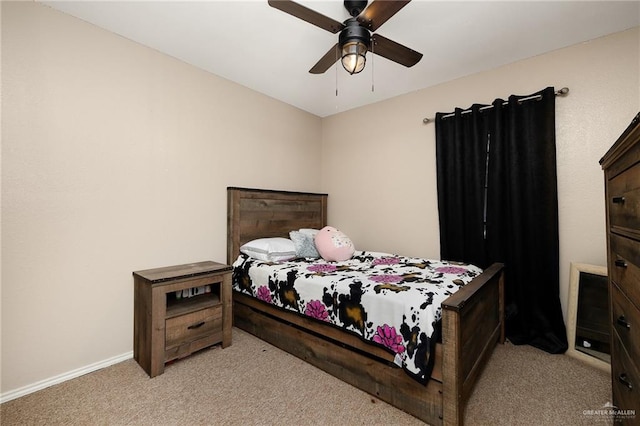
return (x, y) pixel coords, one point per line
(472, 318)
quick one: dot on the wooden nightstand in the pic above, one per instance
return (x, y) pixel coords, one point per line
(179, 310)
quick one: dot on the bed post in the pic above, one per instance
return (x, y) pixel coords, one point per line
(473, 320)
(452, 377)
(233, 236)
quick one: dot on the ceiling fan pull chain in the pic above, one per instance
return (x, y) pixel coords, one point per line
(373, 43)
(336, 67)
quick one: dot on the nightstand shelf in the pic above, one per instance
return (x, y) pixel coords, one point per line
(170, 323)
(176, 307)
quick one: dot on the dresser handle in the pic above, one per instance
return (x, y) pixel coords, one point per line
(198, 325)
(622, 378)
(618, 200)
(620, 263)
(622, 321)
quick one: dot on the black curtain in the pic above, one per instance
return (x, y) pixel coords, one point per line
(498, 202)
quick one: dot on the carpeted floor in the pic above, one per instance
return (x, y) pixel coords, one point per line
(254, 383)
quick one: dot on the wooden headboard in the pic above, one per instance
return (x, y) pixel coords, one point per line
(260, 213)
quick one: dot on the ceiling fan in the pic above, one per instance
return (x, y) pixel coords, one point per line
(355, 37)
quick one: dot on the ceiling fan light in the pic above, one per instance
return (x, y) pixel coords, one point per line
(354, 42)
(354, 56)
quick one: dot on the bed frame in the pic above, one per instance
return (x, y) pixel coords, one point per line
(472, 318)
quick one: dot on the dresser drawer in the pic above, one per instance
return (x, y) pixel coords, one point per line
(626, 322)
(187, 333)
(625, 266)
(625, 384)
(624, 199)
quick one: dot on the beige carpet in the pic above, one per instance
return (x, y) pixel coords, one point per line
(254, 383)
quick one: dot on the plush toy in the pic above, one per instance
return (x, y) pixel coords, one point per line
(334, 245)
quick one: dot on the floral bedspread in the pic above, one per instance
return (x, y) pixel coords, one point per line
(389, 300)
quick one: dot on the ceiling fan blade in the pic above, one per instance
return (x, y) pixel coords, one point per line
(326, 61)
(308, 15)
(379, 12)
(394, 51)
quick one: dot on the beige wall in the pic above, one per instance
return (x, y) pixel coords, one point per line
(382, 186)
(116, 158)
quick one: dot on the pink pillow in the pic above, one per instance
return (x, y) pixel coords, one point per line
(333, 245)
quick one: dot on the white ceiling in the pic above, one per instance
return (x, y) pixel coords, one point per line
(266, 50)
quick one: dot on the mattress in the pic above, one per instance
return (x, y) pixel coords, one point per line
(387, 300)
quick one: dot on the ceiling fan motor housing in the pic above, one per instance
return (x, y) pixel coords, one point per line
(353, 31)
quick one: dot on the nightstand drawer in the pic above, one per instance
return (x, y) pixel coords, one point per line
(624, 199)
(625, 266)
(625, 383)
(181, 331)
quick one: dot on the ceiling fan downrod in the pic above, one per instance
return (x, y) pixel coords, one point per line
(355, 7)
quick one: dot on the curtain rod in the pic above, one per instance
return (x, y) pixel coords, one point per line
(562, 92)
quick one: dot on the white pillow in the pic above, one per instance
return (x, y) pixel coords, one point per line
(274, 249)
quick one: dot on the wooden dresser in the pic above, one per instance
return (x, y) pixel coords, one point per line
(621, 166)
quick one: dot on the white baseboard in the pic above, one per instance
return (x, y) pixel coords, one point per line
(25, 390)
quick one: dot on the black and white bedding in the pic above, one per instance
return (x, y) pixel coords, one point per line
(388, 300)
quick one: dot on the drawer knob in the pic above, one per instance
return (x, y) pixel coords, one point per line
(622, 321)
(198, 325)
(620, 263)
(618, 200)
(622, 378)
